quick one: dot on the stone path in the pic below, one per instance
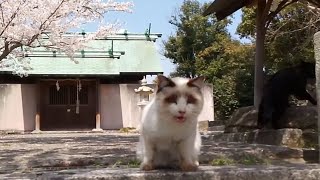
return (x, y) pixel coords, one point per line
(111, 155)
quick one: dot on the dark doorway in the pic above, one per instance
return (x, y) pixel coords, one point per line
(59, 107)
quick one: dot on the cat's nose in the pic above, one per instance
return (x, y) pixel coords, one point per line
(182, 112)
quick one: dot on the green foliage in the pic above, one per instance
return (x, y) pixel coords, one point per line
(193, 34)
(131, 163)
(222, 161)
(201, 45)
(231, 74)
(251, 159)
(243, 159)
(247, 27)
(289, 37)
(127, 130)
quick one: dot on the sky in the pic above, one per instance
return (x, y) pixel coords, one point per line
(158, 13)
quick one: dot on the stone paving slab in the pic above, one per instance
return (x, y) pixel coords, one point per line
(81, 153)
(297, 172)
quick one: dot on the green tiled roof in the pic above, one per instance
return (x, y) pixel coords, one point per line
(132, 54)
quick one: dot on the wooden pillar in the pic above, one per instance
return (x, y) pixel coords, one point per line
(37, 125)
(98, 109)
(38, 101)
(260, 53)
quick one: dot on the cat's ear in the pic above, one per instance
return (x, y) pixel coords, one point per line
(196, 82)
(163, 82)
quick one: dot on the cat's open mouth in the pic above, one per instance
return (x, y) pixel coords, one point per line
(180, 119)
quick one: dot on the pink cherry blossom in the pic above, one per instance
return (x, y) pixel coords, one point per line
(24, 23)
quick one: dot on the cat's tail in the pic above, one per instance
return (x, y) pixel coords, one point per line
(265, 113)
(260, 115)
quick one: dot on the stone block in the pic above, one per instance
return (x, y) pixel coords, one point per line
(310, 139)
(244, 116)
(216, 123)
(216, 128)
(299, 117)
(203, 125)
(311, 155)
(282, 137)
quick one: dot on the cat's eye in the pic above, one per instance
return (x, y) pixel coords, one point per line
(171, 99)
(191, 99)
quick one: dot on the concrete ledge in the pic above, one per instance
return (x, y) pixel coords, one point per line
(306, 172)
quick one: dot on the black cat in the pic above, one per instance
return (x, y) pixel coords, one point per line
(286, 82)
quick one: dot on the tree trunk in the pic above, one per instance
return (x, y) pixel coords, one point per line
(260, 53)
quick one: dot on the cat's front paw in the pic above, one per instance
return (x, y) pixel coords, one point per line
(146, 167)
(188, 167)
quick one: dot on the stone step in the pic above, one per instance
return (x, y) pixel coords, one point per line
(305, 143)
(294, 138)
(216, 123)
(206, 133)
(216, 128)
(212, 153)
(311, 155)
(40, 152)
(306, 172)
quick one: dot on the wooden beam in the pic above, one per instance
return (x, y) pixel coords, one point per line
(224, 8)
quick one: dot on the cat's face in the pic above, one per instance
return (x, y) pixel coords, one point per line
(180, 98)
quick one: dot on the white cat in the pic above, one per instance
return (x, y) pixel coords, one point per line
(169, 135)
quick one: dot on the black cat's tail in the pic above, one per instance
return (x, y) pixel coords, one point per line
(265, 112)
(260, 115)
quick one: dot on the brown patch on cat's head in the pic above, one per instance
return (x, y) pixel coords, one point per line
(197, 82)
(163, 82)
(173, 98)
(191, 99)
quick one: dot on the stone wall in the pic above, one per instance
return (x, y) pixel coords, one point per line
(17, 106)
(119, 105)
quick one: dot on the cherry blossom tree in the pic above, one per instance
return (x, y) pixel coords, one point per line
(25, 23)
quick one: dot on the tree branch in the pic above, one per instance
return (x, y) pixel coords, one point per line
(8, 50)
(54, 12)
(2, 15)
(34, 37)
(266, 10)
(315, 2)
(283, 4)
(11, 19)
